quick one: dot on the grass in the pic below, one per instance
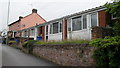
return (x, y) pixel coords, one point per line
(63, 42)
(12, 42)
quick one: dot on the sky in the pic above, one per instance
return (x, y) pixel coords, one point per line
(48, 9)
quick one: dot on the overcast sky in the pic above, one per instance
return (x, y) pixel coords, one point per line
(48, 9)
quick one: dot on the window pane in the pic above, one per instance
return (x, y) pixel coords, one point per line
(84, 22)
(32, 32)
(93, 19)
(76, 23)
(46, 30)
(69, 25)
(51, 28)
(60, 27)
(55, 28)
(26, 33)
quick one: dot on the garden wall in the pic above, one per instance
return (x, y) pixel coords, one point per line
(67, 55)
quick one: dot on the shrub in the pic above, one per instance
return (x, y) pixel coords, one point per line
(107, 53)
(11, 42)
(29, 43)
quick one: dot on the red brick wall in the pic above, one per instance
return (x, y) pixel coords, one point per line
(64, 33)
(43, 33)
(101, 32)
(14, 26)
(102, 18)
(39, 31)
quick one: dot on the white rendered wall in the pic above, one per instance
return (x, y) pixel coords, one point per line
(56, 37)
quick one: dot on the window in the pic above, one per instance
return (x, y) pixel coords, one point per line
(84, 21)
(32, 32)
(51, 28)
(55, 27)
(60, 27)
(26, 33)
(47, 30)
(93, 19)
(69, 25)
(18, 25)
(76, 23)
(114, 16)
(24, 25)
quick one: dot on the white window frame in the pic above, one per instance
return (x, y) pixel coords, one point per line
(72, 23)
(51, 29)
(32, 32)
(112, 17)
(90, 18)
(46, 30)
(86, 21)
(58, 27)
(60, 22)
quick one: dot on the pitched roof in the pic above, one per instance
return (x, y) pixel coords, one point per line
(25, 17)
(13, 22)
(68, 16)
(79, 13)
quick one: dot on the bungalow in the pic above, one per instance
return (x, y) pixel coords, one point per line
(78, 25)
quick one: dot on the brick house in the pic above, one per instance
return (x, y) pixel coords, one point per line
(26, 22)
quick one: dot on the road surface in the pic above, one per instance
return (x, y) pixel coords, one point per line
(14, 57)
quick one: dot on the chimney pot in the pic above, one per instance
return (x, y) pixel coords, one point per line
(34, 10)
(20, 17)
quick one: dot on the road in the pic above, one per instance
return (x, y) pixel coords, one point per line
(15, 57)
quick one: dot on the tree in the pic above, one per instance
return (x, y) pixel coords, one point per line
(3, 33)
(114, 9)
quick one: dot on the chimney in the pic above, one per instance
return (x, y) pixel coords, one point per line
(20, 17)
(34, 10)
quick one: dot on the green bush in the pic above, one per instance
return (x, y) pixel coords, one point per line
(107, 52)
(25, 44)
(29, 43)
(11, 42)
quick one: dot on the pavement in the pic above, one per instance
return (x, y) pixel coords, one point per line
(15, 57)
